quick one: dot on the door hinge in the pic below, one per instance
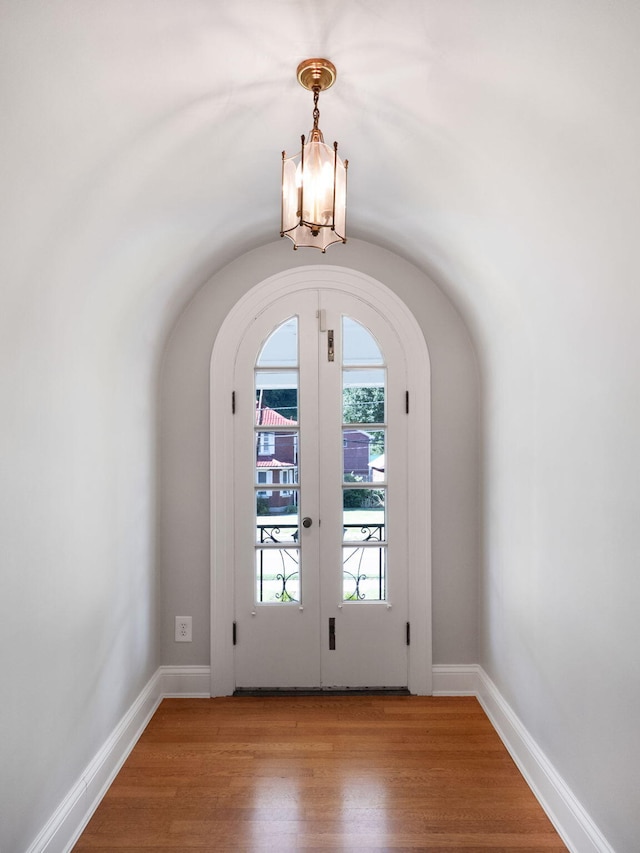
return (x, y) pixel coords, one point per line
(233, 402)
(408, 633)
(235, 633)
(406, 402)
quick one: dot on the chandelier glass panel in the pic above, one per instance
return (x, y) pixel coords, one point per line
(314, 181)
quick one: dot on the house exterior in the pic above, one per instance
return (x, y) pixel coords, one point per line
(277, 457)
(356, 451)
(376, 466)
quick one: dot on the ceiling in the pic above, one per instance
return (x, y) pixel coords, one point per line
(489, 142)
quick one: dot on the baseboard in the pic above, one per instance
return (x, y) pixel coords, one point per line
(455, 680)
(72, 815)
(64, 827)
(570, 819)
(186, 682)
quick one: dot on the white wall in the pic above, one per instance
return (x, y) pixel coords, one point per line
(185, 513)
(549, 275)
(78, 608)
(561, 587)
(83, 290)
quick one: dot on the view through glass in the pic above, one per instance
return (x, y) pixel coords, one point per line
(364, 471)
(277, 485)
(364, 477)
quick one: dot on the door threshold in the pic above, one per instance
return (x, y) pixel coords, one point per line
(321, 691)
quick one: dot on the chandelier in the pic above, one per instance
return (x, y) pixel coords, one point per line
(314, 181)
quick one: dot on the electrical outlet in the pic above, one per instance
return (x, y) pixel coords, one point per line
(183, 629)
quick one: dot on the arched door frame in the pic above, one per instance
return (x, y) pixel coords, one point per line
(379, 297)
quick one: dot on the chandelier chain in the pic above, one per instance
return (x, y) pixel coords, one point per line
(316, 111)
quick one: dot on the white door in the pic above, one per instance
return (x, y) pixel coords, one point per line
(320, 473)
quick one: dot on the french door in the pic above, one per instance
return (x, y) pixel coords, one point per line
(320, 472)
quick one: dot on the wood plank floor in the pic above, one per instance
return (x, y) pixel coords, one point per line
(320, 773)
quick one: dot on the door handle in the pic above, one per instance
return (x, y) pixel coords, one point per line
(306, 521)
(332, 633)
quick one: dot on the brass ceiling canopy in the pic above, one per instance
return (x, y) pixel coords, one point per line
(317, 74)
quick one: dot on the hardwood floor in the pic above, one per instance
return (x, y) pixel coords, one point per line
(320, 773)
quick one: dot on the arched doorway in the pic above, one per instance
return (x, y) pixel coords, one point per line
(320, 557)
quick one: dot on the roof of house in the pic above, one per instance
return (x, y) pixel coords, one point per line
(378, 463)
(269, 417)
(273, 463)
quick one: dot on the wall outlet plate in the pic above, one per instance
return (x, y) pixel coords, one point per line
(183, 629)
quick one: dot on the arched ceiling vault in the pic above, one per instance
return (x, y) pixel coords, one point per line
(490, 143)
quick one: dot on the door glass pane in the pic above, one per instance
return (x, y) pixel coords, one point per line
(363, 396)
(276, 398)
(277, 575)
(364, 574)
(358, 344)
(363, 457)
(363, 514)
(276, 467)
(276, 516)
(277, 457)
(281, 347)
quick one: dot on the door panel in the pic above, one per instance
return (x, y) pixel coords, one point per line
(319, 417)
(367, 535)
(277, 636)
